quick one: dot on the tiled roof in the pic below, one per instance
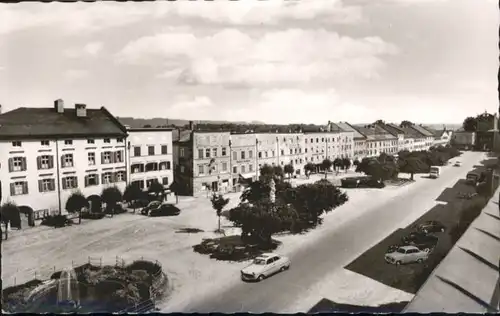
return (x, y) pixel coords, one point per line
(181, 136)
(47, 122)
(348, 128)
(375, 133)
(422, 130)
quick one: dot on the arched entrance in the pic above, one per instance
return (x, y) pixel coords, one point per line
(95, 203)
(27, 215)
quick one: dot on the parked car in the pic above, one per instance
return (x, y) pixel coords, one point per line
(264, 266)
(457, 164)
(165, 210)
(431, 227)
(361, 182)
(421, 240)
(350, 182)
(406, 254)
(150, 206)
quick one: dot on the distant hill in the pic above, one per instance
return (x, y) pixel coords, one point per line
(154, 122)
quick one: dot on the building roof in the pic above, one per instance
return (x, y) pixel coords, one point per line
(344, 126)
(150, 129)
(25, 123)
(181, 136)
(374, 132)
(422, 130)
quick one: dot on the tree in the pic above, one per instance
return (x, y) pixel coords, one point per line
(337, 163)
(326, 165)
(132, 194)
(9, 213)
(406, 124)
(289, 170)
(309, 168)
(75, 203)
(278, 172)
(346, 163)
(156, 188)
(175, 187)
(356, 163)
(412, 165)
(111, 196)
(470, 124)
(379, 122)
(218, 203)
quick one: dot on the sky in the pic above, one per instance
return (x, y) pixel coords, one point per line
(308, 61)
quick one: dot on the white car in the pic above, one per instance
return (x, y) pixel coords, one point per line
(406, 254)
(264, 266)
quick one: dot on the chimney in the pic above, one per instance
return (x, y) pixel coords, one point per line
(329, 127)
(59, 106)
(191, 125)
(81, 110)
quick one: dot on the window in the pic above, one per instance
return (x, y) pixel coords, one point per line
(139, 183)
(45, 143)
(164, 149)
(250, 154)
(235, 155)
(118, 156)
(164, 181)
(235, 169)
(267, 154)
(260, 154)
(224, 166)
(214, 152)
(91, 158)
(107, 140)
(107, 178)
(90, 141)
(181, 152)
(19, 188)
(46, 185)
(69, 183)
(242, 155)
(137, 151)
(91, 179)
(169, 165)
(291, 151)
(182, 169)
(68, 142)
(200, 153)
(45, 162)
(151, 150)
(106, 157)
(201, 169)
(120, 176)
(250, 168)
(223, 151)
(17, 164)
(282, 152)
(67, 160)
(207, 153)
(243, 169)
(119, 140)
(16, 144)
(272, 153)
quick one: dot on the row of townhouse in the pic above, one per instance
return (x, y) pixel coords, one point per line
(46, 154)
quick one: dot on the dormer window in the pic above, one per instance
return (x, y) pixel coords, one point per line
(107, 140)
(16, 144)
(68, 142)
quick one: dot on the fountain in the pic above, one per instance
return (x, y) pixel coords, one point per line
(68, 291)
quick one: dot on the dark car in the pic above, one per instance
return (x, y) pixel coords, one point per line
(361, 182)
(431, 227)
(150, 206)
(372, 183)
(165, 210)
(421, 240)
(350, 182)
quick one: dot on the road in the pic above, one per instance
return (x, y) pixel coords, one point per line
(390, 210)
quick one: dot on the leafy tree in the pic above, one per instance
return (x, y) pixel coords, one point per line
(132, 194)
(175, 187)
(337, 163)
(406, 124)
(278, 172)
(326, 165)
(309, 168)
(346, 163)
(412, 165)
(356, 163)
(75, 203)
(9, 213)
(289, 170)
(111, 196)
(379, 122)
(363, 165)
(218, 203)
(470, 124)
(156, 188)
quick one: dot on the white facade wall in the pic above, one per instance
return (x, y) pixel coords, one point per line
(162, 159)
(49, 201)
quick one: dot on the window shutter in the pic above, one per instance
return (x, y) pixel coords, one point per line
(51, 162)
(23, 166)
(86, 181)
(39, 163)
(113, 157)
(40, 185)
(62, 161)
(124, 176)
(25, 187)
(75, 182)
(113, 177)
(102, 178)
(52, 184)
(12, 189)
(168, 165)
(11, 164)
(97, 180)
(102, 158)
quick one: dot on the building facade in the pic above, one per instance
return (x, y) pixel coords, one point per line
(358, 140)
(426, 140)
(150, 154)
(46, 154)
(243, 157)
(291, 148)
(378, 140)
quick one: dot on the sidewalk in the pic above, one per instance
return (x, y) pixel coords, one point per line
(467, 280)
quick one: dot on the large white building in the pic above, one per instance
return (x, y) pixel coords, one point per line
(46, 154)
(150, 155)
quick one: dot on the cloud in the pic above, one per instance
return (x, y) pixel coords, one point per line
(76, 74)
(90, 49)
(230, 56)
(200, 107)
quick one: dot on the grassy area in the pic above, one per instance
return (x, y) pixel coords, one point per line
(327, 306)
(411, 277)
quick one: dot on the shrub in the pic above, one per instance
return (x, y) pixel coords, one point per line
(90, 215)
(148, 266)
(56, 221)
